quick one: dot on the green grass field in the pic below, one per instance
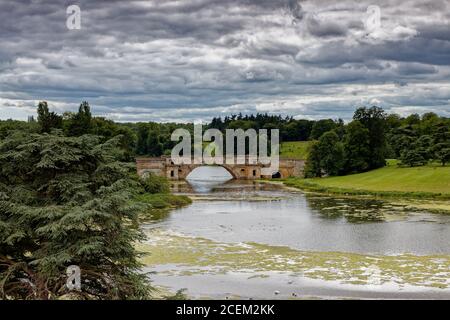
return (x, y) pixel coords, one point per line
(431, 180)
(294, 149)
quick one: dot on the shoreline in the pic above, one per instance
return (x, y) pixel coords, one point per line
(439, 204)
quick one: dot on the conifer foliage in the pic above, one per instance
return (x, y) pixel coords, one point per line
(67, 201)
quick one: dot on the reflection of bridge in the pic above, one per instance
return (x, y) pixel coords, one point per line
(164, 166)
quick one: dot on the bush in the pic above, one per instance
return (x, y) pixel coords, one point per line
(155, 184)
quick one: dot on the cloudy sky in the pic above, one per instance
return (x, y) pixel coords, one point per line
(162, 60)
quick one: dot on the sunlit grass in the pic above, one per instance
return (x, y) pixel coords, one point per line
(295, 149)
(431, 180)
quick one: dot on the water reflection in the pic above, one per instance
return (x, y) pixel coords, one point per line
(355, 210)
(206, 179)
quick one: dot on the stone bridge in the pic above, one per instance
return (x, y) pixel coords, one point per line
(163, 166)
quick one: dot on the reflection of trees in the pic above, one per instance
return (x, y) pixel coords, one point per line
(353, 210)
(180, 187)
(229, 187)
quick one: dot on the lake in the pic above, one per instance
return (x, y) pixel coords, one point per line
(253, 239)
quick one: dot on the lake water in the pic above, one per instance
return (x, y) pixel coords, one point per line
(236, 213)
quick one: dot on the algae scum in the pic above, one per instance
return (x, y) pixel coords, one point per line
(257, 240)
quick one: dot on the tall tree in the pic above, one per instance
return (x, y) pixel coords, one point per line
(331, 153)
(326, 156)
(313, 166)
(154, 146)
(81, 122)
(322, 126)
(374, 119)
(47, 120)
(67, 201)
(357, 148)
(142, 139)
(441, 146)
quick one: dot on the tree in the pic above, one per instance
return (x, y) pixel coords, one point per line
(313, 167)
(429, 121)
(331, 153)
(67, 201)
(322, 126)
(443, 155)
(393, 121)
(401, 138)
(374, 119)
(441, 138)
(142, 137)
(296, 130)
(412, 158)
(80, 123)
(154, 146)
(326, 156)
(357, 148)
(423, 145)
(155, 184)
(47, 120)
(413, 119)
(107, 129)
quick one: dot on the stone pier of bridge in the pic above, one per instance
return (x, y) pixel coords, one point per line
(250, 170)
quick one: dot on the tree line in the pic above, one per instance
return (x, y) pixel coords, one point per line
(374, 136)
(363, 144)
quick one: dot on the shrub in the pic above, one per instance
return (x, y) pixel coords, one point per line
(155, 184)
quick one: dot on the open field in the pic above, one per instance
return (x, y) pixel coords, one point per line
(294, 149)
(432, 181)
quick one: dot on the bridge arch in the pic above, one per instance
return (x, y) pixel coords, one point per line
(163, 166)
(191, 168)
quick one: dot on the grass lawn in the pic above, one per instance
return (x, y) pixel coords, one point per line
(431, 180)
(295, 149)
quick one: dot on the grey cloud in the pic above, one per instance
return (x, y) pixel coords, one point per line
(296, 10)
(162, 60)
(324, 28)
(435, 31)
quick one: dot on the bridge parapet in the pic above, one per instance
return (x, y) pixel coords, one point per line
(242, 169)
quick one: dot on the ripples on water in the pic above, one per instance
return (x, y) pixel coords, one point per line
(287, 218)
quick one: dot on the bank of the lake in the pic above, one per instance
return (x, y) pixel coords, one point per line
(248, 239)
(421, 184)
(159, 204)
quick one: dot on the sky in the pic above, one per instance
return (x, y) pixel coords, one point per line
(191, 60)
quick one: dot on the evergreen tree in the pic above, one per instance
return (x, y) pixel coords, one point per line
(412, 158)
(423, 146)
(441, 139)
(67, 201)
(47, 120)
(443, 155)
(80, 123)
